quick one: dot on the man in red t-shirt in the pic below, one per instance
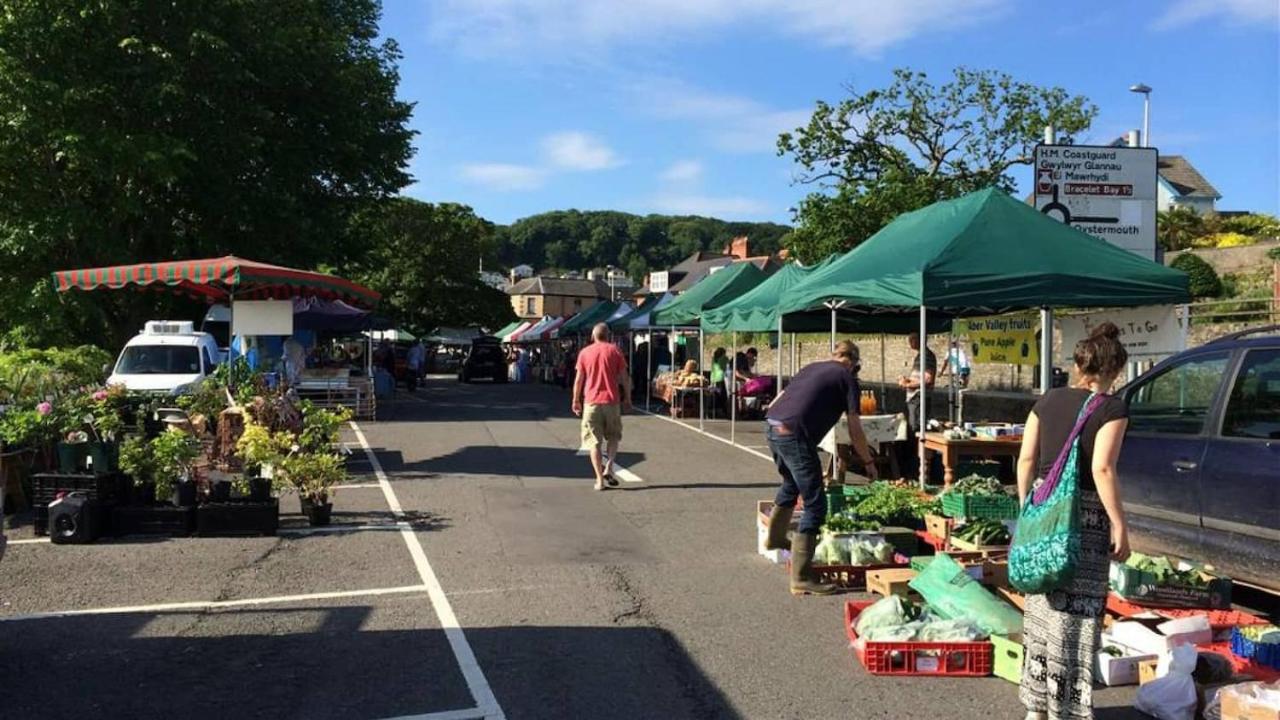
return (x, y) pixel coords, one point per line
(602, 380)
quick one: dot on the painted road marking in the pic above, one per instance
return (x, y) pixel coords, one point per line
(471, 671)
(744, 448)
(470, 714)
(29, 541)
(213, 604)
(330, 529)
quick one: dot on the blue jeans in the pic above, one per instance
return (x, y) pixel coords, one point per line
(801, 471)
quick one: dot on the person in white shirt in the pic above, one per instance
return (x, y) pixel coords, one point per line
(957, 362)
(414, 360)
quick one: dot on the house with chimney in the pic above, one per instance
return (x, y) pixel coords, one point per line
(1179, 184)
(537, 297)
(688, 272)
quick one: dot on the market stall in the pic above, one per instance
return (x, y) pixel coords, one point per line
(983, 254)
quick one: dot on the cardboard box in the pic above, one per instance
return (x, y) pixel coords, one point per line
(1156, 635)
(938, 526)
(890, 581)
(1147, 671)
(1014, 597)
(1113, 671)
(1144, 589)
(1241, 701)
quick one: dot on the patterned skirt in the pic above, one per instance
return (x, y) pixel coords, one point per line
(1061, 629)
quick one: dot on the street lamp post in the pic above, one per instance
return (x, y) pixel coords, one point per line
(1145, 91)
(612, 296)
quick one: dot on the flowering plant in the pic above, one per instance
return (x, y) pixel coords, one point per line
(92, 414)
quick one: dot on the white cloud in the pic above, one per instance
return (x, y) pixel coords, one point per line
(865, 26)
(1185, 12)
(683, 171)
(578, 151)
(732, 123)
(504, 176)
(731, 207)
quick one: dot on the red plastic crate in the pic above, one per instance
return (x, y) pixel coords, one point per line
(1242, 666)
(1218, 619)
(951, 659)
(938, 544)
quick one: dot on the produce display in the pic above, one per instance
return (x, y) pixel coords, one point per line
(983, 532)
(891, 503)
(977, 485)
(896, 619)
(844, 522)
(1165, 572)
(853, 550)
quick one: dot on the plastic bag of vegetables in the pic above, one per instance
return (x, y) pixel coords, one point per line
(952, 593)
(892, 611)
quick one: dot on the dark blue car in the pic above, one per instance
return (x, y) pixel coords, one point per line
(1200, 465)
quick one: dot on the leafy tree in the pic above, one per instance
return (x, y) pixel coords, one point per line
(1178, 228)
(136, 131)
(1204, 279)
(887, 151)
(571, 239)
(425, 259)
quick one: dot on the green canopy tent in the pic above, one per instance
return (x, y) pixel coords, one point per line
(582, 323)
(984, 253)
(508, 329)
(711, 292)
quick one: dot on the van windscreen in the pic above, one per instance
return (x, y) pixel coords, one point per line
(159, 360)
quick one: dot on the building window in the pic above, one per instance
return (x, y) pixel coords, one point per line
(577, 302)
(531, 306)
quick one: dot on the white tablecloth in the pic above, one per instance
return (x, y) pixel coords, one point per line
(878, 429)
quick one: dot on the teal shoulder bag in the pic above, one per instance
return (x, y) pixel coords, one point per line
(1046, 543)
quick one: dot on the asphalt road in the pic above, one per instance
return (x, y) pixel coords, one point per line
(643, 602)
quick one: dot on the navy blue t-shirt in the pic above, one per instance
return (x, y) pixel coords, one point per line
(816, 398)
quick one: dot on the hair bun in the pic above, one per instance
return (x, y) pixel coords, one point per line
(1105, 330)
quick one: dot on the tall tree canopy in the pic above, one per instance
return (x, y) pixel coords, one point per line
(424, 258)
(138, 131)
(573, 239)
(887, 151)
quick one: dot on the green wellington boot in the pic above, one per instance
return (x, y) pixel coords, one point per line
(802, 580)
(779, 524)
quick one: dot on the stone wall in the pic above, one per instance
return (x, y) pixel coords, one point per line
(1232, 260)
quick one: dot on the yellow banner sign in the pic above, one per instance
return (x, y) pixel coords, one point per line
(1002, 339)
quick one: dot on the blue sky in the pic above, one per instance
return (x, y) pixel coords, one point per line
(674, 106)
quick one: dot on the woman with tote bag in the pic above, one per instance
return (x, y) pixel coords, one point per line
(1071, 526)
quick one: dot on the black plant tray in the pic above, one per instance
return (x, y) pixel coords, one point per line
(164, 520)
(107, 489)
(238, 518)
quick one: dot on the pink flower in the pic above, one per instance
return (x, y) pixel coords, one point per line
(44, 408)
(100, 395)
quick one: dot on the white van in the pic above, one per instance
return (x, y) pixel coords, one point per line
(168, 357)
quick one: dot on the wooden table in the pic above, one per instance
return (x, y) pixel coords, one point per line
(951, 450)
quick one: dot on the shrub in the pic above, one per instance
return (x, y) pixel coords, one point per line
(1204, 280)
(1230, 239)
(1253, 225)
(1274, 253)
(31, 375)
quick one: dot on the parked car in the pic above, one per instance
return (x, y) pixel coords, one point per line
(1200, 465)
(167, 357)
(485, 359)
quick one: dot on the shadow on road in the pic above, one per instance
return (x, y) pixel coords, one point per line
(325, 662)
(491, 460)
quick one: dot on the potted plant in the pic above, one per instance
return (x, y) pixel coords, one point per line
(91, 419)
(175, 453)
(137, 462)
(314, 475)
(260, 451)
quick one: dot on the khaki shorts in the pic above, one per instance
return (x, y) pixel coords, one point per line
(601, 424)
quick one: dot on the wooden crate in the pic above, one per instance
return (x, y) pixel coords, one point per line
(890, 581)
(939, 526)
(988, 551)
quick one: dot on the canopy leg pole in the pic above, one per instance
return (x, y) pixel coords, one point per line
(733, 395)
(924, 398)
(702, 394)
(794, 356)
(884, 382)
(833, 328)
(1046, 349)
(648, 371)
(951, 385)
(778, 354)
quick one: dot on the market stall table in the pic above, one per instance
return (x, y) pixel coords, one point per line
(879, 429)
(951, 450)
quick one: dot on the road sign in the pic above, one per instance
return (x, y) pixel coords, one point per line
(1108, 192)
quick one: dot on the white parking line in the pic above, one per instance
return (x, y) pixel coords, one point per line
(623, 474)
(744, 448)
(486, 702)
(212, 604)
(330, 529)
(357, 486)
(470, 714)
(29, 541)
